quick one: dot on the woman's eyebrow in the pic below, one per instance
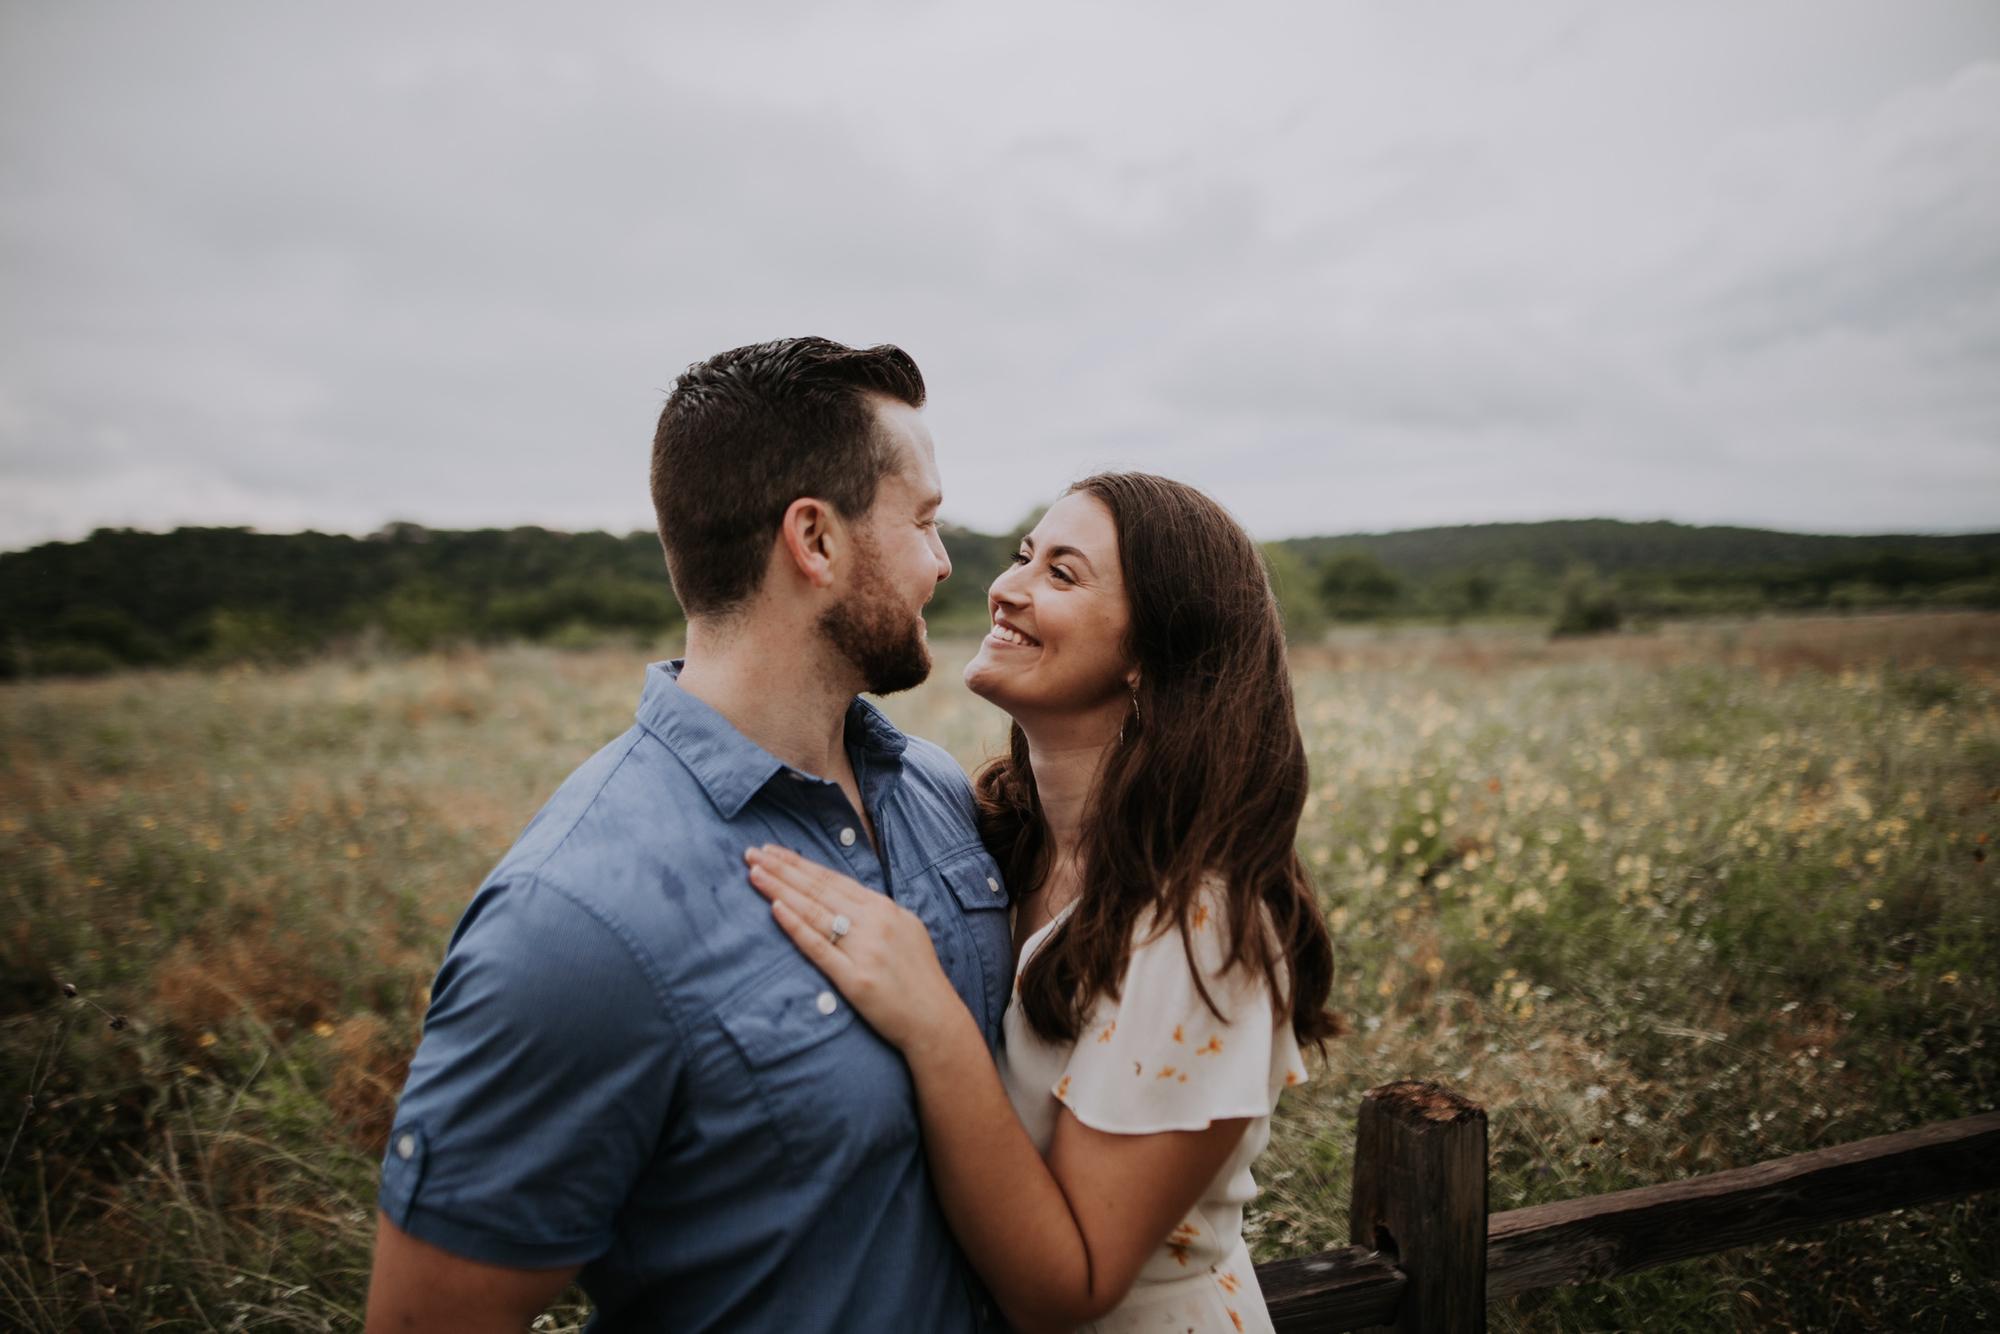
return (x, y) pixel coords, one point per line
(1058, 552)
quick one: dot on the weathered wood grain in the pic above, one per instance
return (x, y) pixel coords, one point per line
(1420, 1197)
(1599, 1236)
(1339, 1290)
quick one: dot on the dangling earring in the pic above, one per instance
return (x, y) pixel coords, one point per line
(1135, 716)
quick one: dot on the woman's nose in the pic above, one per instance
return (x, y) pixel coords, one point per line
(1003, 589)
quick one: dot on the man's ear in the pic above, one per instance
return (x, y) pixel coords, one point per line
(809, 536)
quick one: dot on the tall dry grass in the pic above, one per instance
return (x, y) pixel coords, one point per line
(1664, 903)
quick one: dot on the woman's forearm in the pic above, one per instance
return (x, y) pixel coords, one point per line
(1006, 1208)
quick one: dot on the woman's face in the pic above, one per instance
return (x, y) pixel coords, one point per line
(1057, 647)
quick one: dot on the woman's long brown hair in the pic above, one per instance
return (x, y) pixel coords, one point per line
(1209, 779)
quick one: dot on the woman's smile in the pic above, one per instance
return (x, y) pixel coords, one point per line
(1010, 636)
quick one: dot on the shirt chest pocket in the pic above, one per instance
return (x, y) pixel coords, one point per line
(971, 884)
(823, 1086)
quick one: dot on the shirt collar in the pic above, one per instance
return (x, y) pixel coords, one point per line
(731, 767)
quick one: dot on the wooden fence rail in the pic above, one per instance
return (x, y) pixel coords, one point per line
(1427, 1256)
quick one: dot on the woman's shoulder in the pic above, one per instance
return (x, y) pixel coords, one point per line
(1187, 1041)
(1211, 914)
(1162, 954)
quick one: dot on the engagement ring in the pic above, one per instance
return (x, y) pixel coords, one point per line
(838, 927)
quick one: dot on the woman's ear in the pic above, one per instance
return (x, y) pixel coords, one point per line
(1132, 680)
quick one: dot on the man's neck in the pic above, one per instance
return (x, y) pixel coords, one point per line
(777, 686)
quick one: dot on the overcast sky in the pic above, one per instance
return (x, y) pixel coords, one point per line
(1347, 266)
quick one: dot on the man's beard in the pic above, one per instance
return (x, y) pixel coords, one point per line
(872, 630)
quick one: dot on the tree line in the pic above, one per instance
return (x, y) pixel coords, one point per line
(124, 598)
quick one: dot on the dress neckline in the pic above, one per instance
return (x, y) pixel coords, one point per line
(1034, 942)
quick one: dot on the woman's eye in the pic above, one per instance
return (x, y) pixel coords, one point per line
(1062, 574)
(1020, 558)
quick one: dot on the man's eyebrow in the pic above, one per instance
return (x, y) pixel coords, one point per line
(1057, 552)
(933, 501)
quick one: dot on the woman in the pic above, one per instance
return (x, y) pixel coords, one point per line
(1171, 956)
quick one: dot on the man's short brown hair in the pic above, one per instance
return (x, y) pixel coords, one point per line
(749, 431)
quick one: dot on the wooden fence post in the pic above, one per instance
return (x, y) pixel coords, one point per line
(1420, 1196)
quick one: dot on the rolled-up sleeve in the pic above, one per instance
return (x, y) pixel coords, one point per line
(539, 1092)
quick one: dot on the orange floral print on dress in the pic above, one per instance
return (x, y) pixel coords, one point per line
(1177, 1034)
(1227, 1281)
(1291, 1078)
(1214, 1045)
(1184, 1235)
(1062, 1088)
(1179, 1253)
(1166, 1072)
(1200, 916)
(1235, 1320)
(1104, 1034)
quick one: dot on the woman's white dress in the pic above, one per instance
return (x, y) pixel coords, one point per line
(1157, 1058)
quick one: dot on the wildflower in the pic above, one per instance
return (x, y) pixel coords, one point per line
(323, 1029)
(205, 1041)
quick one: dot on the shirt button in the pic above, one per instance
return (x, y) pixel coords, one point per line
(993, 884)
(826, 1003)
(406, 1146)
(847, 838)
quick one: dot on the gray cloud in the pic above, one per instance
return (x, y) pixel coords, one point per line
(1347, 268)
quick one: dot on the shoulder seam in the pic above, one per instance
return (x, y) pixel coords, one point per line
(615, 926)
(640, 956)
(535, 872)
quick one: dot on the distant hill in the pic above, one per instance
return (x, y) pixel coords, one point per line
(123, 598)
(1613, 546)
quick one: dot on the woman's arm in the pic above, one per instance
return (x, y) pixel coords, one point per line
(1059, 1242)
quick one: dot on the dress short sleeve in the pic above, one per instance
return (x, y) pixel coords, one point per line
(1157, 1058)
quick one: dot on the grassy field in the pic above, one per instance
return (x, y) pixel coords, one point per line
(1663, 903)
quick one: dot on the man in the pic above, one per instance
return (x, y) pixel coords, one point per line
(628, 1074)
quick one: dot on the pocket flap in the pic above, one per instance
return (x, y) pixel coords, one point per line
(785, 1010)
(974, 880)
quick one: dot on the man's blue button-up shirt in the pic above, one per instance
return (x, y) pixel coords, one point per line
(626, 1065)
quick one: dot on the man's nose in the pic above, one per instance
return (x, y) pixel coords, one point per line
(943, 557)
